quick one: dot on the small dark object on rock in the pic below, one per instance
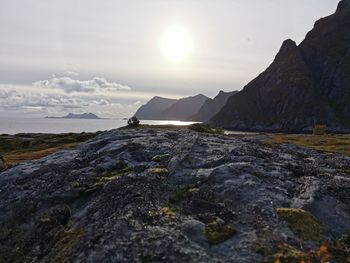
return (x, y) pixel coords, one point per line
(133, 121)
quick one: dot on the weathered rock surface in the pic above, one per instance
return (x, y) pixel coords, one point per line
(305, 85)
(148, 195)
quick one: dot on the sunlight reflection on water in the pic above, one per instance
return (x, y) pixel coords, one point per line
(42, 125)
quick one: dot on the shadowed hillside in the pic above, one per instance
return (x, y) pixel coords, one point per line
(305, 85)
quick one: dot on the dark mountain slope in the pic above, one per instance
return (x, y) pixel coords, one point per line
(159, 108)
(212, 107)
(305, 84)
(153, 109)
(184, 108)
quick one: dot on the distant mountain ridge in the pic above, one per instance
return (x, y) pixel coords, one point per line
(77, 116)
(152, 109)
(159, 108)
(305, 85)
(184, 108)
(212, 107)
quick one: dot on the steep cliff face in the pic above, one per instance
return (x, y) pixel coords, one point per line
(212, 107)
(305, 84)
(326, 50)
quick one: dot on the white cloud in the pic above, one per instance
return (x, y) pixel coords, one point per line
(23, 102)
(12, 99)
(71, 74)
(69, 84)
(102, 102)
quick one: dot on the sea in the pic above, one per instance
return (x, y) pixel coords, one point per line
(55, 126)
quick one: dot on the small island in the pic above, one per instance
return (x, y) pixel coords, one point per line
(85, 116)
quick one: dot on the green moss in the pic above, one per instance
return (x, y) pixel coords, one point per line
(183, 194)
(95, 184)
(108, 177)
(50, 239)
(120, 165)
(57, 217)
(89, 189)
(159, 171)
(217, 232)
(64, 246)
(302, 223)
(169, 212)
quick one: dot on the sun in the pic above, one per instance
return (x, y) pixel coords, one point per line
(176, 43)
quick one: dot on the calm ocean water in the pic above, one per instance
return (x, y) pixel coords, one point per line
(41, 125)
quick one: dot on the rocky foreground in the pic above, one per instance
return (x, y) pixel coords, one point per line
(152, 195)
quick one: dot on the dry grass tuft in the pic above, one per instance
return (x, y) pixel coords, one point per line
(333, 143)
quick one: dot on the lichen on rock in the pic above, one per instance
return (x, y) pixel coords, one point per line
(218, 232)
(303, 223)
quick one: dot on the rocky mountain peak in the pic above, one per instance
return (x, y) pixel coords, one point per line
(287, 45)
(305, 84)
(343, 5)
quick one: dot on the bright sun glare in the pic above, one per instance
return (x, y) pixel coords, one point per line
(176, 43)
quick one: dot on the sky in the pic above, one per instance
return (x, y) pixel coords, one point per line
(111, 56)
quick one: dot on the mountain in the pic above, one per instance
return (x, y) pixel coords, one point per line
(212, 107)
(153, 109)
(305, 84)
(77, 116)
(169, 109)
(184, 108)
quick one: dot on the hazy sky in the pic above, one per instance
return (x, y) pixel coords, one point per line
(106, 56)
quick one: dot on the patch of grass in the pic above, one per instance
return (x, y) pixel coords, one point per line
(25, 147)
(18, 156)
(324, 143)
(302, 223)
(217, 232)
(204, 128)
